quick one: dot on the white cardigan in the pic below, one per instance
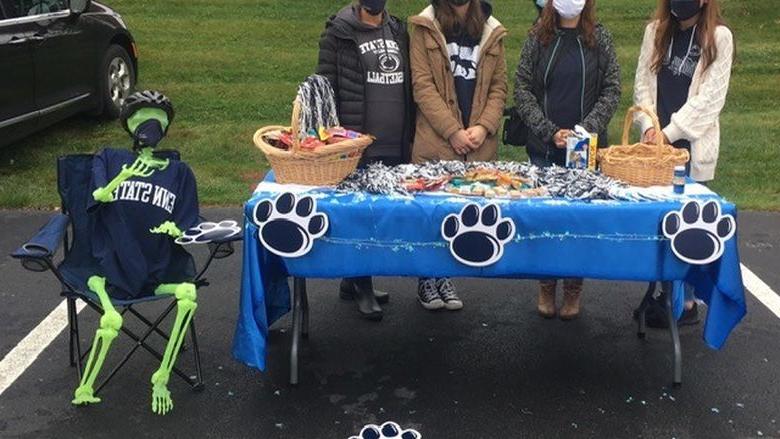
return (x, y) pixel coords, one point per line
(697, 121)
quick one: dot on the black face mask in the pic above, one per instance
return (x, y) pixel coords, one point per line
(458, 2)
(684, 9)
(373, 7)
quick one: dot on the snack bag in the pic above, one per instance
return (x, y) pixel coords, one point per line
(578, 148)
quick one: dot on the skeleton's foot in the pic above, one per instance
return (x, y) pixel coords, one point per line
(161, 396)
(84, 395)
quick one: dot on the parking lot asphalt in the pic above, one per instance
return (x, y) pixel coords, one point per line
(494, 369)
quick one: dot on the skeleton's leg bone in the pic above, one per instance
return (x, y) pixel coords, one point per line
(110, 323)
(186, 296)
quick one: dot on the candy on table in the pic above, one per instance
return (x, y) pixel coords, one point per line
(526, 180)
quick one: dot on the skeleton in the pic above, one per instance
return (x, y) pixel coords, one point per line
(147, 125)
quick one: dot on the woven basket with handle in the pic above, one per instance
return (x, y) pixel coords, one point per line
(325, 166)
(642, 164)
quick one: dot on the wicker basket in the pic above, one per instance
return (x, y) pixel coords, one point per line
(642, 164)
(325, 166)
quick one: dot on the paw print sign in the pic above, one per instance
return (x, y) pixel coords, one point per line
(698, 232)
(207, 232)
(388, 430)
(288, 226)
(477, 235)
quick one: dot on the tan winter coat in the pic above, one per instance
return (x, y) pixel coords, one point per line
(438, 115)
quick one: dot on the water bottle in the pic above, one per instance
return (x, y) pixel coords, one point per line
(679, 180)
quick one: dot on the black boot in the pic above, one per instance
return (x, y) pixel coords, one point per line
(347, 292)
(364, 296)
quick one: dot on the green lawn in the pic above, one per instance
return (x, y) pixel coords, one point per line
(232, 66)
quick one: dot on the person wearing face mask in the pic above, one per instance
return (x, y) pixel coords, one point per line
(539, 6)
(568, 75)
(683, 74)
(364, 53)
(460, 86)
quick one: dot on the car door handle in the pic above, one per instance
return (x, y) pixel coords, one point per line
(18, 40)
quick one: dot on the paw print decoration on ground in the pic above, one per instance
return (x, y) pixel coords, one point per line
(207, 232)
(288, 226)
(477, 235)
(699, 232)
(388, 430)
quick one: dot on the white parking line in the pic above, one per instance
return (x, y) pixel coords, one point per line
(761, 290)
(26, 352)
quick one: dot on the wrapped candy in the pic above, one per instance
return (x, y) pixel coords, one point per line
(516, 180)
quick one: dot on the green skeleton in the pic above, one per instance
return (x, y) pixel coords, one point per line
(111, 321)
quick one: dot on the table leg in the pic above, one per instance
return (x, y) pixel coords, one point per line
(675, 333)
(646, 301)
(299, 284)
(305, 310)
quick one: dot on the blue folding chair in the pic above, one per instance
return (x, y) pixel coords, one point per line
(72, 228)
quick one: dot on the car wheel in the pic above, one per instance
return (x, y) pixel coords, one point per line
(117, 80)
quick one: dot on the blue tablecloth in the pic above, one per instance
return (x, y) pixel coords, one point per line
(401, 236)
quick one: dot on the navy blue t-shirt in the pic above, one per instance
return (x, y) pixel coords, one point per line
(675, 77)
(564, 83)
(464, 58)
(133, 259)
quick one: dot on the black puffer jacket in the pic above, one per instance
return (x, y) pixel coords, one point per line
(340, 62)
(601, 94)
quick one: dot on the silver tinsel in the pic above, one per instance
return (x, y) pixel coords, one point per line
(318, 105)
(560, 182)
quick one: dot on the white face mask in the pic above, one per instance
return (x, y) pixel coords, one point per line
(569, 9)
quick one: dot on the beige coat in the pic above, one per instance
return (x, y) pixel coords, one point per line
(438, 115)
(698, 120)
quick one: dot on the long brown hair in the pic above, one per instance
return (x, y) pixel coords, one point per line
(710, 18)
(451, 24)
(547, 26)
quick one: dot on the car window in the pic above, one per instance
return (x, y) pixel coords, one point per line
(21, 8)
(10, 8)
(38, 7)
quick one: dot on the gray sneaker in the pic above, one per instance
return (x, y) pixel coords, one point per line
(428, 294)
(447, 293)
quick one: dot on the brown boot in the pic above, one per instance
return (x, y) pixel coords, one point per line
(572, 288)
(546, 302)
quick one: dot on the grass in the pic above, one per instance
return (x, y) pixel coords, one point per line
(232, 66)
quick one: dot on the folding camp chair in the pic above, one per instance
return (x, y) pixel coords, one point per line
(72, 227)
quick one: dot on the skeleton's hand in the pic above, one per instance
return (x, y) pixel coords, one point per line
(139, 168)
(103, 195)
(167, 228)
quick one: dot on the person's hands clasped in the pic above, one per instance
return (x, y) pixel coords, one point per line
(477, 134)
(461, 142)
(560, 138)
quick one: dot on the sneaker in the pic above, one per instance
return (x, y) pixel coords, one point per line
(447, 293)
(428, 295)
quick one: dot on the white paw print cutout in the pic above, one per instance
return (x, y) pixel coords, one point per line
(477, 235)
(288, 226)
(206, 232)
(388, 430)
(699, 231)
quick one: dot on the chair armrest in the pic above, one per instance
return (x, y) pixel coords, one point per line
(46, 242)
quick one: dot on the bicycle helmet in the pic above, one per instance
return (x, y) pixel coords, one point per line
(146, 116)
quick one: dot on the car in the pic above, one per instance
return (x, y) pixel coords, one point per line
(59, 58)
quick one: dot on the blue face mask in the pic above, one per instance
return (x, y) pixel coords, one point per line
(684, 9)
(149, 133)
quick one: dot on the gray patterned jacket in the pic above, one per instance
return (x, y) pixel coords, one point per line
(601, 97)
